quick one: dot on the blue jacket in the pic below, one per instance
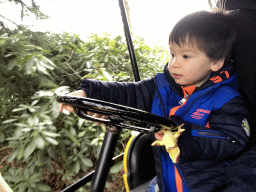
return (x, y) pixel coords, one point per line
(205, 152)
(214, 131)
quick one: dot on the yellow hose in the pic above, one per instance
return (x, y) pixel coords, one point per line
(126, 185)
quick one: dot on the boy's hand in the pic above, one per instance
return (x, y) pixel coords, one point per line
(62, 106)
(169, 139)
(70, 109)
(159, 135)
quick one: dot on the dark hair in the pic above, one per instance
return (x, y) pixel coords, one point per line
(209, 31)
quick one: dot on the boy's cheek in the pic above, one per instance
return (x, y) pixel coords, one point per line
(169, 68)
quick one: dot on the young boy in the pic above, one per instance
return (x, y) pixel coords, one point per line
(197, 89)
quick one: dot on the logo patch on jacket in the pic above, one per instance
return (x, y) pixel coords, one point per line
(199, 113)
(246, 127)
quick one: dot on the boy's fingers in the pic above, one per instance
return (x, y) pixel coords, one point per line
(159, 137)
(66, 107)
(69, 108)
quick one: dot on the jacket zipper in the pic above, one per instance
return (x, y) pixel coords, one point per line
(183, 100)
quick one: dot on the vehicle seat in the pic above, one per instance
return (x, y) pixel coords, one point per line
(139, 163)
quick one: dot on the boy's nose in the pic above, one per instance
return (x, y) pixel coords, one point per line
(174, 63)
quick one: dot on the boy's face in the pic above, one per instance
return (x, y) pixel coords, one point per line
(190, 66)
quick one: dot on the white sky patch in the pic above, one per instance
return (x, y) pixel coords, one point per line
(150, 19)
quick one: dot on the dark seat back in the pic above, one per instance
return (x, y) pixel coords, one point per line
(140, 161)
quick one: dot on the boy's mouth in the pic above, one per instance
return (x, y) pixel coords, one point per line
(176, 76)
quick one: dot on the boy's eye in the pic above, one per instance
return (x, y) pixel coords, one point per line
(185, 56)
(172, 55)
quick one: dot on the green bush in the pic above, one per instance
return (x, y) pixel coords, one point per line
(35, 68)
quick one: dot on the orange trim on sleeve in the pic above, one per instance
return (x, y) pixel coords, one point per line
(173, 110)
(178, 180)
(207, 125)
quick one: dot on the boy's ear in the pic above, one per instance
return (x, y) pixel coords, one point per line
(217, 65)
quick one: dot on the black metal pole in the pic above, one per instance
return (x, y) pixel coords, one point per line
(80, 183)
(87, 178)
(129, 41)
(104, 162)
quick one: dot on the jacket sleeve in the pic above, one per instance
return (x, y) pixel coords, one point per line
(242, 173)
(138, 95)
(227, 135)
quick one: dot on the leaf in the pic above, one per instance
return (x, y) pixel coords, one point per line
(87, 162)
(94, 141)
(31, 109)
(22, 186)
(18, 178)
(76, 167)
(29, 64)
(60, 48)
(26, 173)
(107, 75)
(39, 141)
(80, 122)
(21, 152)
(26, 129)
(49, 61)
(18, 109)
(73, 131)
(36, 177)
(51, 151)
(83, 167)
(51, 140)
(46, 65)
(55, 109)
(9, 121)
(29, 149)
(50, 134)
(68, 134)
(2, 137)
(11, 64)
(30, 121)
(106, 58)
(107, 185)
(24, 106)
(63, 151)
(5, 35)
(8, 55)
(117, 167)
(34, 102)
(21, 124)
(12, 156)
(43, 187)
(89, 64)
(81, 134)
(36, 120)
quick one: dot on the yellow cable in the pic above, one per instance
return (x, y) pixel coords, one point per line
(125, 163)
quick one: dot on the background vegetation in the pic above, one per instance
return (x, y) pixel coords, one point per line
(41, 149)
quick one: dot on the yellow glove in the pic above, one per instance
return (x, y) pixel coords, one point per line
(170, 140)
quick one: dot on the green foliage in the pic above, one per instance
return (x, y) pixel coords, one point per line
(35, 68)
